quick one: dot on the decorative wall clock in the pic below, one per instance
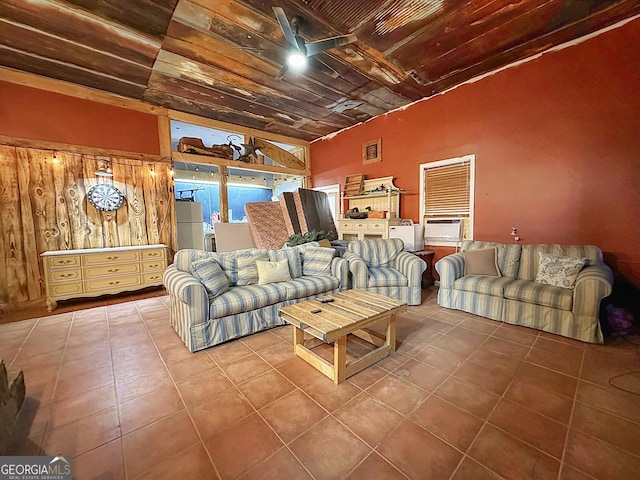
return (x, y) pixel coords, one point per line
(105, 197)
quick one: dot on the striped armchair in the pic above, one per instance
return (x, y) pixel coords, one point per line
(381, 266)
(514, 297)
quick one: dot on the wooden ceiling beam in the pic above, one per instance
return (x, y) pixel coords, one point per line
(41, 44)
(81, 26)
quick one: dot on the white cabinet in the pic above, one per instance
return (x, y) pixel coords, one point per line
(96, 271)
(385, 200)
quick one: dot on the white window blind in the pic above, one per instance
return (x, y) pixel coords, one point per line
(447, 190)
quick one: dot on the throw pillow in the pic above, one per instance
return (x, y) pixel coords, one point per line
(483, 261)
(272, 272)
(292, 255)
(317, 260)
(210, 275)
(247, 270)
(558, 271)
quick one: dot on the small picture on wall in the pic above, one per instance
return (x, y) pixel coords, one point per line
(371, 152)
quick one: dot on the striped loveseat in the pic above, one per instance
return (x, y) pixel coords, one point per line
(203, 320)
(516, 298)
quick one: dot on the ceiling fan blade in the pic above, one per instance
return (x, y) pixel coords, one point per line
(322, 45)
(286, 27)
(282, 71)
(323, 67)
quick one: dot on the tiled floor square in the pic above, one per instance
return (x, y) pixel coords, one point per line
(418, 453)
(369, 418)
(329, 450)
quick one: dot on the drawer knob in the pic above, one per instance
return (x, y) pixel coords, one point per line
(113, 270)
(153, 254)
(113, 258)
(114, 283)
(66, 262)
(66, 275)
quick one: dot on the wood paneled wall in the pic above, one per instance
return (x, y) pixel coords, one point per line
(43, 206)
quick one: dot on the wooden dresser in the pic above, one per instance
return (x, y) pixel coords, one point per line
(96, 271)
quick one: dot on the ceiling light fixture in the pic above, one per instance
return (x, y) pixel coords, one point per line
(297, 60)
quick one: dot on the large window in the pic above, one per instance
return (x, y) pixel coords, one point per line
(446, 193)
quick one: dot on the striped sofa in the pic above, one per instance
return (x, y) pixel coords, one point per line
(515, 298)
(203, 320)
(382, 267)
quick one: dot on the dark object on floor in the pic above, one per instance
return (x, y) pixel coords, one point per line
(620, 310)
(11, 399)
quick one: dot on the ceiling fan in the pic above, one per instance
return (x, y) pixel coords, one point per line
(300, 52)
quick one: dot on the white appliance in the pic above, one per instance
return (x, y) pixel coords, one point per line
(190, 226)
(444, 230)
(411, 235)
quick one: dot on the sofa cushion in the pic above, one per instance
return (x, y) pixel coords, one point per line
(558, 271)
(244, 298)
(483, 284)
(377, 253)
(273, 272)
(482, 261)
(508, 255)
(312, 285)
(317, 260)
(293, 258)
(386, 277)
(210, 274)
(529, 258)
(539, 294)
(227, 260)
(247, 270)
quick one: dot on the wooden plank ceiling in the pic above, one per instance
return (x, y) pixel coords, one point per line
(218, 59)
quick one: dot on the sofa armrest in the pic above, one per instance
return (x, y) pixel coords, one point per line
(358, 269)
(592, 285)
(411, 266)
(450, 268)
(340, 270)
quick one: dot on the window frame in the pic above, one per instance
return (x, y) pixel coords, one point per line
(471, 158)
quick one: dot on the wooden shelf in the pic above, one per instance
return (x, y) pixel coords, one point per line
(258, 167)
(373, 195)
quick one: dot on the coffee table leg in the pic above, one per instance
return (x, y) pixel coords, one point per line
(391, 333)
(339, 359)
(298, 337)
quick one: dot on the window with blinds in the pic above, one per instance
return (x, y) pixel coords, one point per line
(447, 191)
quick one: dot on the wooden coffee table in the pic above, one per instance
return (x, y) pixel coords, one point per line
(349, 313)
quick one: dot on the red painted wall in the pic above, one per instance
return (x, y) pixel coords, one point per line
(557, 145)
(40, 115)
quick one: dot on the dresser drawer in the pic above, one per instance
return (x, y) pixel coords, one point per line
(353, 225)
(65, 275)
(105, 258)
(159, 265)
(153, 253)
(116, 270)
(111, 284)
(380, 226)
(63, 261)
(65, 289)
(152, 279)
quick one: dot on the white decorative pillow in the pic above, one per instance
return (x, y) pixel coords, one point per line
(247, 271)
(317, 260)
(210, 274)
(292, 255)
(558, 271)
(272, 272)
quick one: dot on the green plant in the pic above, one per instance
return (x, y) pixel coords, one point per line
(312, 236)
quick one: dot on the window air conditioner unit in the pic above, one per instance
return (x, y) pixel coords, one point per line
(443, 230)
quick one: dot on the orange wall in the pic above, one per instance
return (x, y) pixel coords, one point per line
(557, 145)
(31, 113)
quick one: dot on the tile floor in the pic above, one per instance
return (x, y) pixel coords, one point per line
(463, 398)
